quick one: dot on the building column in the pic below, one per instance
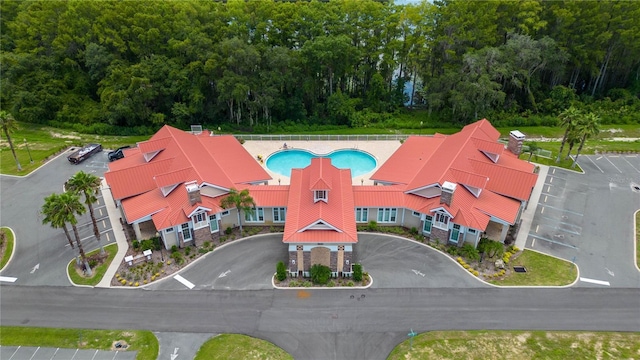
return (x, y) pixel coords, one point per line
(300, 251)
(340, 261)
(136, 229)
(503, 234)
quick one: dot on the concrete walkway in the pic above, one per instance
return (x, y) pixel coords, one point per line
(529, 213)
(118, 232)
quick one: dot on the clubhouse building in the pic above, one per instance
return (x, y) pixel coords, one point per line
(453, 188)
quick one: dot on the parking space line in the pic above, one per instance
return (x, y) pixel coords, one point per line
(554, 171)
(14, 353)
(54, 353)
(542, 210)
(34, 353)
(564, 223)
(561, 209)
(114, 356)
(593, 281)
(596, 165)
(548, 188)
(533, 242)
(545, 198)
(631, 164)
(553, 241)
(94, 355)
(537, 227)
(614, 165)
(554, 196)
(551, 180)
(74, 354)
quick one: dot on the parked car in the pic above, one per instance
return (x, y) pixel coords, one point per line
(117, 153)
(84, 153)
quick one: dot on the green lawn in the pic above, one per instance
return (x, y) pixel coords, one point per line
(43, 142)
(138, 340)
(98, 272)
(9, 243)
(235, 346)
(521, 345)
(542, 270)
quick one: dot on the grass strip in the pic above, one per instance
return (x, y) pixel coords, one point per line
(236, 346)
(142, 341)
(9, 244)
(518, 345)
(98, 272)
(542, 270)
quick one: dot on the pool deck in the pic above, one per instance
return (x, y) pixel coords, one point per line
(380, 149)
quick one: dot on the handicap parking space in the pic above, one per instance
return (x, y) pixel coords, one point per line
(48, 353)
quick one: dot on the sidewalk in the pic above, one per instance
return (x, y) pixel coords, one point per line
(527, 215)
(118, 232)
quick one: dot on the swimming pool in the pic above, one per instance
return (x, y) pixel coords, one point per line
(358, 161)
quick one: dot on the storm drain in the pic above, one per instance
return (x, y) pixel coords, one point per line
(520, 269)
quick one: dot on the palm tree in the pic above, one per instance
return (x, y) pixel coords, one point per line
(589, 126)
(572, 139)
(88, 185)
(67, 205)
(568, 120)
(9, 125)
(240, 200)
(50, 210)
(533, 147)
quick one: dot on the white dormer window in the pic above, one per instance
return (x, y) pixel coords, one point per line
(320, 195)
(200, 220)
(442, 221)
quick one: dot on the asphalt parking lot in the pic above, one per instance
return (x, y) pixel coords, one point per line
(41, 252)
(588, 218)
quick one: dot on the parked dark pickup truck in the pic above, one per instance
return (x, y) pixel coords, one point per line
(84, 153)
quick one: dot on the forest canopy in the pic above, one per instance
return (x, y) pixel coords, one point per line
(132, 66)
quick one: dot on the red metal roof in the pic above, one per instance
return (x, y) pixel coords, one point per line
(337, 212)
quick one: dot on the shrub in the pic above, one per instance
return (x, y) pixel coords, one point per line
(320, 274)
(135, 244)
(469, 252)
(372, 226)
(357, 272)
(350, 284)
(178, 258)
(174, 249)
(93, 263)
(281, 271)
(491, 248)
(147, 244)
(331, 283)
(187, 250)
(414, 231)
(228, 230)
(452, 250)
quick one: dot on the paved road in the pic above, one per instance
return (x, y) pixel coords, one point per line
(589, 218)
(317, 324)
(41, 251)
(392, 262)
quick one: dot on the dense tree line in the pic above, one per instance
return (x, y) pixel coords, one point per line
(261, 64)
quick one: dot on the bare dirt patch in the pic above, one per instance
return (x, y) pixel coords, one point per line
(64, 136)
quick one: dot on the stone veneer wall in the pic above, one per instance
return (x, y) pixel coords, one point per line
(201, 235)
(441, 235)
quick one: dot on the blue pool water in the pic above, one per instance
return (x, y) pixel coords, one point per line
(358, 161)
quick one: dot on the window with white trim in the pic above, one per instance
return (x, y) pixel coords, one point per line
(279, 214)
(386, 215)
(199, 220)
(441, 221)
(362, 214)
(168, 230)
(320, 195)
(254, 215)
(186, 232)
(471, 231)
(416, 214)
(224, 213)
(213, 223)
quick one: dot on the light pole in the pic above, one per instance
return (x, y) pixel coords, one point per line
(29, 151)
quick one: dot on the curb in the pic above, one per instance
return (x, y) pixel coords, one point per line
(13, 251)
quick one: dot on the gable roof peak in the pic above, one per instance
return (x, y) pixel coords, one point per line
(320, 174)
